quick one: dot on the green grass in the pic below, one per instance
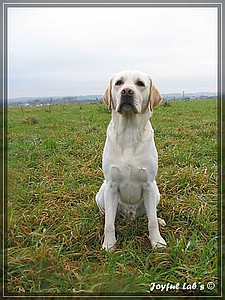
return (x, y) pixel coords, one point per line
(55, 230)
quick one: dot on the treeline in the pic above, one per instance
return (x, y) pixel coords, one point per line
(52, 101)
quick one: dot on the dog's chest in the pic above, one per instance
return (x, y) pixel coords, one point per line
(130, 178)
(130, 166)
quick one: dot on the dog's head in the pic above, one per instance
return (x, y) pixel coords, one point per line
(131, 91)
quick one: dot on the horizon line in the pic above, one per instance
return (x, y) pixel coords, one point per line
(89, 95)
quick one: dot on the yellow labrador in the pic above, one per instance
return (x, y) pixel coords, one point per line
(130, 159)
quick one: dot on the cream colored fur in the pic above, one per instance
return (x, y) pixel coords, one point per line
(130, 159)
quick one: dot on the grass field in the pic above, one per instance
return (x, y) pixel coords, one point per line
(55, 230)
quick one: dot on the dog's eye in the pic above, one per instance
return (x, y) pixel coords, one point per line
(140, 83)
(119, 82)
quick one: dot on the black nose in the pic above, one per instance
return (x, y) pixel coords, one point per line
(127, 92)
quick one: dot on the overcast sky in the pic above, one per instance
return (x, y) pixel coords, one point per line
(75, 51)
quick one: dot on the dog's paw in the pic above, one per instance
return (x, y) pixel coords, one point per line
(158, 243)
(161, 222)
(109, 246)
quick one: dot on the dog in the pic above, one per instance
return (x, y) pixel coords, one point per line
(130, 159)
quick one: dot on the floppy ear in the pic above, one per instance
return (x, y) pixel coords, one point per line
(107, 97)
(155, 97)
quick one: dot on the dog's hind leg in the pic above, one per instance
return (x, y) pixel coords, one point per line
(100, 198)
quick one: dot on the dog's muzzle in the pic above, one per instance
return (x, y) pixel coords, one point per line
(127, 100)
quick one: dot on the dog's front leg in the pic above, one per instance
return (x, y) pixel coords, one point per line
(111, 197)
(151, 199)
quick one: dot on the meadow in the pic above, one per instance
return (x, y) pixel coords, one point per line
(55, 230)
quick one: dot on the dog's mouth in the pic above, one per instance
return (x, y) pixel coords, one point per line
(127, 104)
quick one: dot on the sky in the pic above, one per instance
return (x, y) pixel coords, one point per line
(65, 51)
